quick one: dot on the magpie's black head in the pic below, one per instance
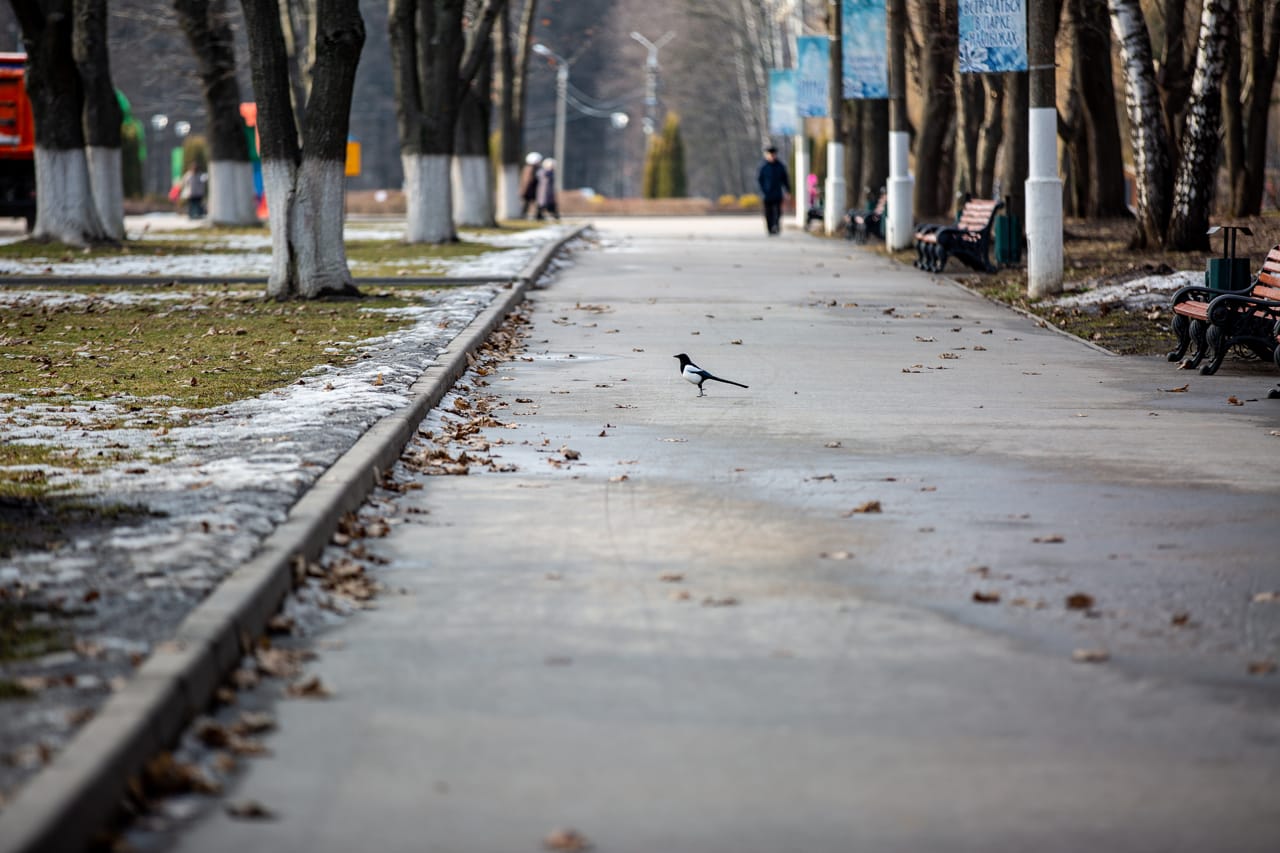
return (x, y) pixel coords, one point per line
(684, 359)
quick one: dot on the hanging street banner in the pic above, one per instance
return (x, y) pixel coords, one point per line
(993, 35)
(866, 55)
(782, 103)
(813, 76)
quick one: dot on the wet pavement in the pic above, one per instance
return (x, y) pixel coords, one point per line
(841, 609)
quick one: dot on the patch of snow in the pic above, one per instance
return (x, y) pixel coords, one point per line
(1136, 294)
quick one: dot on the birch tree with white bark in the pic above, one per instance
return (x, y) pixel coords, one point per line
(79, 182)
(435, 56)
(304, 162)
(1148, 136)
(1197, 167)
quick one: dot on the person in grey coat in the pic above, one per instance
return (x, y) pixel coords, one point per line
(547, 190)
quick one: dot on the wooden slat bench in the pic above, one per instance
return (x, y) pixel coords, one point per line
(859, 224)
(1216, 320)
(969, 239)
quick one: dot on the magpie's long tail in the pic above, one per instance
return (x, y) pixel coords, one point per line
(726, 381)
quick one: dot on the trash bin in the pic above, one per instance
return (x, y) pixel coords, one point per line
(1008, 239)
(1228, 272)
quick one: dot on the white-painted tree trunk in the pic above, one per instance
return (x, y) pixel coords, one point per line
(836, 194)
(1044, 206)
(277, 182)
(106, 181)
(65, 208)
(316, 228)
(510, 204)
(231, 198)
(800, 180)
(428, 198)
(899, 194)
(472, 193)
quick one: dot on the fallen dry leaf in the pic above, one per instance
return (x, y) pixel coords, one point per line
(165, 775)
(1079, 601)
(1179, 390)
(1052, 539)
(680, 595)
(981, 597)
(310, 687)
(727, 601)
(833, 444)
(378, 379)
(1268, 597)
(864, 508)
(671, 577)
(1262, 667)
(249, 810)
(1181, 619)
(836, 555)
(1090, 655)
(566, 839)
(1234, 401)
(570, 453)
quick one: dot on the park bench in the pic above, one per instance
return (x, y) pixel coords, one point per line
(1217, 320)
(968, 239)
(861, 223)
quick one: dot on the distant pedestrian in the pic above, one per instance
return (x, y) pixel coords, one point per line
(547, 190)
(192, 192)
(529, 185)
(775, 187)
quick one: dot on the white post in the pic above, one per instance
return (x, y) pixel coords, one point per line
(800, 181)
(1044, 206)
(562, 93)
(833, 207)
(899, 233)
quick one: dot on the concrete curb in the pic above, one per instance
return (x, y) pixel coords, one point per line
(70, 800)
(1031, 315)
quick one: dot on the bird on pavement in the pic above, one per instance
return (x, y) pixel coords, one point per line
(692, 373)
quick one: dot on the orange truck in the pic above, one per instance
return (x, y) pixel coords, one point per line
(17, 141)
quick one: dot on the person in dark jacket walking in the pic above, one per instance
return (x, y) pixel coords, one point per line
(775, 187)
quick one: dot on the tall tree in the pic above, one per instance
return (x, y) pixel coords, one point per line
(435, 59)
(1246, 102)
(207, 26)
(512, 83)
(1148, 133)
(934, 23)
(77, 135)
(1092, 125)
(305, 177)
(473, 200)
(1197, 167)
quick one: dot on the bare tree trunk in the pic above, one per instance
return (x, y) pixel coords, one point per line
(937, 66)
(875, 146)
(66, 211)
(102, 115)
(1014, 153)
(1073, 130)
(207, 27)
(853, 160)
(305, 185)
(1106, 195)
(992, 134)
(1148, 133)
(434, 60)
(472, 184)
(971, 103)
(1174, 77)
(1197, 168)
(512, 73)
(1262, 50)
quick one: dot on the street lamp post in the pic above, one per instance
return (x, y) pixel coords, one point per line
(159, 122)
(651, 80)
(562, 95)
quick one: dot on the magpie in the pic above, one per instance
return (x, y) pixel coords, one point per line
(697, 375)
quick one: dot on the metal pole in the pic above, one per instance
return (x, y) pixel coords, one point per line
(651, 79)
(562, 92)
(836, 200)
(1043, 187)
(901, 185)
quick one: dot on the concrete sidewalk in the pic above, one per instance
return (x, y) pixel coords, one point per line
(814, 679)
